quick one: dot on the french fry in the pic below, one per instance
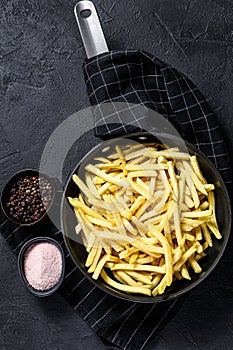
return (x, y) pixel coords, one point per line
(91, 256)
(198, 233)
(214, 229)
(197, 170)
(167, 255)
(122, 158)
(189, 202)
(127, 252)
(146, 152)
(116, 275)
(173, 178)
(197, 214)
(185, 273)
(133, 258)
(204, 206)
(109, 265)
(91, 186)
(209, 187)
(142, 173)
(146, 247)
(96, 259)
(177, 224)
(213, 226)
(98, 222)
(103, 160)
(156, 279)
(172, 155)
(196, 267)
(78, 228)
(178, 252)
(137, 203)
(178, 276)
(126, 279)
(77, 204)
(144, 167)
(198, 184)
(140, 277)
(109, 178)
(146, 260)
(101, 264)
(137, 267)
(159, 289)
(192, 189)
(181, 188)
(124, 288)
(206, 234)
(168, 215)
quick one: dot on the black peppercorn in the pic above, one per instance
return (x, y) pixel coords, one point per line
(28, 198)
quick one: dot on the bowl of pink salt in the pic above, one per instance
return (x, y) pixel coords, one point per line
(41, 265)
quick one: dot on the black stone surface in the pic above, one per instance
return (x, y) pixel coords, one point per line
(41, 83)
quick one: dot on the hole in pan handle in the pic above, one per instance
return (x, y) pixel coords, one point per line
(85, 13)
(90, 28)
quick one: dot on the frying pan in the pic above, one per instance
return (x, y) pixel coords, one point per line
(94, 43)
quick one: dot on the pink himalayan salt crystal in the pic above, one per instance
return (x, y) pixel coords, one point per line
(43, 265)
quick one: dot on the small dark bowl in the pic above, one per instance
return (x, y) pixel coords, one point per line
(78, 252)
(6, 191)
(21, 255)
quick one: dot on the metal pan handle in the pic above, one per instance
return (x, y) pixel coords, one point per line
(90, 28)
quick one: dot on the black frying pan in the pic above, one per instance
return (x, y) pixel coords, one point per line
(94, 43)
(223, 214)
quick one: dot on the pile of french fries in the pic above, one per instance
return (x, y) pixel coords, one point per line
(146, 215)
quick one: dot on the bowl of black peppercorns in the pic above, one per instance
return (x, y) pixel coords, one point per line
(27, 197)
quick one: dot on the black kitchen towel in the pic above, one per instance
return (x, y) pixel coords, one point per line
(139, 78)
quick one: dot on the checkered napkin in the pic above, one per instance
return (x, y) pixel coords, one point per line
(139, 78)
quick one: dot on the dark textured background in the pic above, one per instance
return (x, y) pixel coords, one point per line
(41, 83)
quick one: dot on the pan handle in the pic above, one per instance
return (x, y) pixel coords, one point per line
(90, 28)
